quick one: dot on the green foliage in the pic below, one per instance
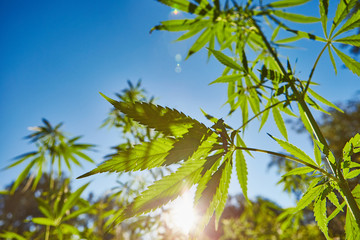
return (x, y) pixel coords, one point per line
(54, 149)
(256, 85)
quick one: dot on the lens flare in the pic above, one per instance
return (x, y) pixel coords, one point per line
(178, 68)
(182, 215)
(175, 11)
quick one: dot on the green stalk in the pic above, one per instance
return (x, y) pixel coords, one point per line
(349, 198)
(316, 168)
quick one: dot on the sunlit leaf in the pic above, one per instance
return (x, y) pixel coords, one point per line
(352, 230)
(287, 3)
(227, 61)
(351, 23)
(227, 78)
(279, 122)
(296, 152)
(299, 171)
(293, 17)
(349, 62)
(352, 40)
(241, 169)
(320, 215)
(200, 42)
(323, 100)
(308, 197)
(44, 221)
(342, 11)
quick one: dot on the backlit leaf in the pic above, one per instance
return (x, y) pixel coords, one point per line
(308, 197)
(227, 78)
(351, 23)
(352, 40)
(323, 100)
(299, 171)
(287, 3)
(349, 62)
(320, 215)
(279, 122)
(162, 119)
(241, 169)
(227, 61)
(296, 152)
(200, 42)
(295, 17)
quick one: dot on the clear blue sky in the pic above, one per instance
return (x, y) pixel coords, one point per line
(55, 56)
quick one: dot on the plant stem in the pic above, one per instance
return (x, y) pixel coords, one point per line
(290, 158)
(349, 198)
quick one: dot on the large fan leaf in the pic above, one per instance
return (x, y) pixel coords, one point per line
(349, 62)
(342, 10)
(320, 215)
(214, 196)
(351, 23)
(143, 156)
(352, 40)
(162, 119)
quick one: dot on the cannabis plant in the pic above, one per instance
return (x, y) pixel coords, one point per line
(260, 84)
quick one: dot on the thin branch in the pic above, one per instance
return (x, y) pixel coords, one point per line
(316, 168)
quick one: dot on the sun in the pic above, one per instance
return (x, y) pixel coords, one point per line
(182, 216)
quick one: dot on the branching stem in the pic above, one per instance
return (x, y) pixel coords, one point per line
(343, 184)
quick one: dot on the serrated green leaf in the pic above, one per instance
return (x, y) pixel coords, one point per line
(223, 191)
(324, 8)
(169, 187)
(200, 42)
(351, 23)
(296, 152)
(299, 171)
(332, 59)
(162, 119)
(308, 197)
(228, 78)
(265, 115)
(323, 100)
(279, 122)
(352, 40)
(352, 174)
(352, 230)
(334, 200)
(320, 215)
(143, 156)
(349, 62)
(214, 196)
(301, 34)
(317, 154)
(186, 146)
(179, 25)
(293, 17)
(241, 168)
(342, 10)
(287, 3)
(227, 61)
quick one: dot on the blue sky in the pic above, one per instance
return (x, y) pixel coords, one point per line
(57, 55)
